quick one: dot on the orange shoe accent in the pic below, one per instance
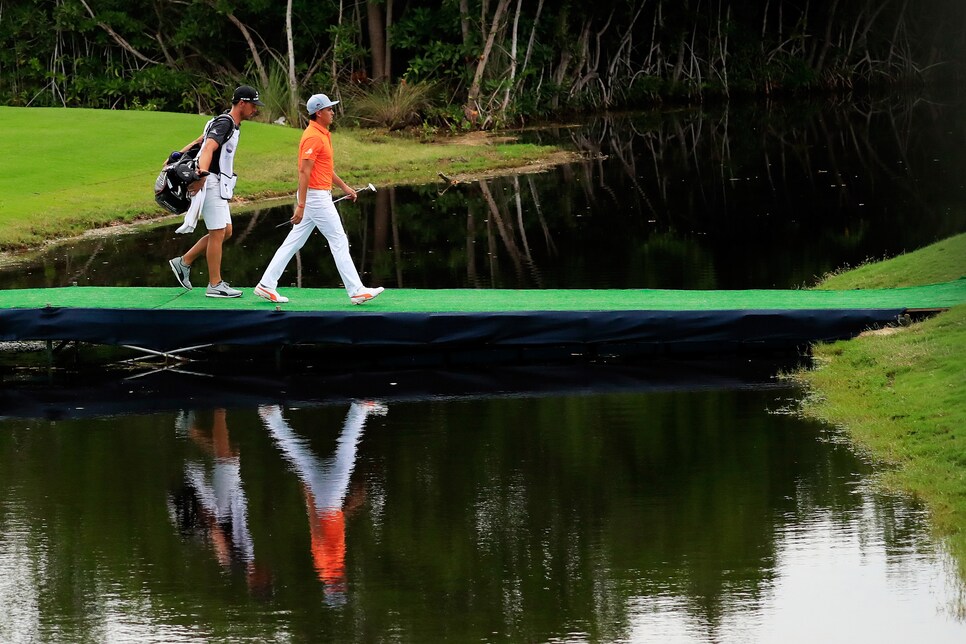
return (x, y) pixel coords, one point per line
(270, 295)
(365, 295)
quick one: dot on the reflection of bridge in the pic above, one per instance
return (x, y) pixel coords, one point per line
(236, 385)
(665, 321)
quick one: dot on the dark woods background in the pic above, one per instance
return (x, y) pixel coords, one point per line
(467, 63)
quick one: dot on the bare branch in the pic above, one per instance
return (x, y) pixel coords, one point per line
(473, 94)
(117, 37)
(262, 72)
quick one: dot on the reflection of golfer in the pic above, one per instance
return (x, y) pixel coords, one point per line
(214, 503)
(325, 483)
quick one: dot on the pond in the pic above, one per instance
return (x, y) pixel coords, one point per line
(570, 503)
(646, 501)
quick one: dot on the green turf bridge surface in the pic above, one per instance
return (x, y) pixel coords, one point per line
(935, 296)
(416, 320)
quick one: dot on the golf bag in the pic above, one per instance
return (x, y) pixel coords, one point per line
(180, 170)
(171, 186)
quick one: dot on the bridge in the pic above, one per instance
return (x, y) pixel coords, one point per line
(166, 321)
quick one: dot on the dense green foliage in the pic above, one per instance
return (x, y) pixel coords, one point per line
(493, 62)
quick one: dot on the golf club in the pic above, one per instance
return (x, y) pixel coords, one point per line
(368, 187)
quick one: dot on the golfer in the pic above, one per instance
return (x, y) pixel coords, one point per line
(216, 160)
(314, 208)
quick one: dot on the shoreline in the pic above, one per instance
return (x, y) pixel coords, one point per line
(12, 257)
(114, 185)
(897, 396)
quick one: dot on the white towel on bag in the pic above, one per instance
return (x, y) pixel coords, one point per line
(194, 211)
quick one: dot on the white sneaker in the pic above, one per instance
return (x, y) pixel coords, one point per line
(221, 289)
(363, 295)
(181, 272)
(270, 294)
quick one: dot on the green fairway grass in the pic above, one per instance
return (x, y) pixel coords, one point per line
(942, 261)
(64, 171)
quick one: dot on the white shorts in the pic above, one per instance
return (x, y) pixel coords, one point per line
(215, 209)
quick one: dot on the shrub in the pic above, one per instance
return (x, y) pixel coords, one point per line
(391, 106)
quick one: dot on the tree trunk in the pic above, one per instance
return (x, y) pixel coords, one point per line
(533, 34)
(827, 42)
(377, 39)
(465, 31)
(723, 47)
(465, 21)
(513, 59)
(256, 58)
(335, 49)
(679, 64)
(387, 70)
(587, 64)
(625, 43)
(472, 100)
(292, 82)
(764, 24)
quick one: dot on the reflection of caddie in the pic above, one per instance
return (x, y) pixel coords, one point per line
(216, 159)
(314, 208)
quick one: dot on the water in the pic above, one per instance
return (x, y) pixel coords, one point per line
(668, 502)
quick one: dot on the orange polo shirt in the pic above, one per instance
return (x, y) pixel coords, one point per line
(316, 144)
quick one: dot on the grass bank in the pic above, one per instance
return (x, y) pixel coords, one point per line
(900, 394)
(65, 171)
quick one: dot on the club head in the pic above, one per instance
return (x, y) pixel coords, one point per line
(371, 187)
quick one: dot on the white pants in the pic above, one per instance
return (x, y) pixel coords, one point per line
(319, 213)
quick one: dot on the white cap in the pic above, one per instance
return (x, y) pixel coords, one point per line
(318, 102)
